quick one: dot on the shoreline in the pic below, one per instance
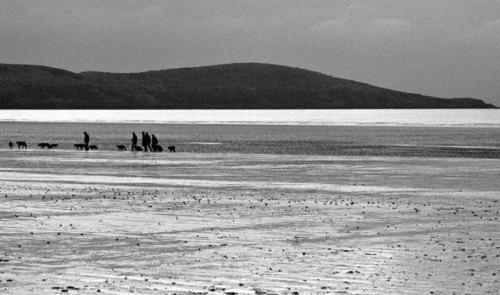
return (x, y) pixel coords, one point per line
(409, 152)
(332, 155)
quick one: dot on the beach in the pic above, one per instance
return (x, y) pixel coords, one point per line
(245, 223)
(250, 147)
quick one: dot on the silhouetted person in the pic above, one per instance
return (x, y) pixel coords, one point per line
(144, 142)
(134, 140)
(148, 142)
(154, 142)
(11, 144)
(86, 140)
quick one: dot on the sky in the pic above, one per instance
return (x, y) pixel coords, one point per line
(446, 48)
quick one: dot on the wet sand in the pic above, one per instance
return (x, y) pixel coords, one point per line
(189, 223)
(438, 142)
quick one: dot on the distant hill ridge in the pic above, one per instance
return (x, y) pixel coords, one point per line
(228, 86)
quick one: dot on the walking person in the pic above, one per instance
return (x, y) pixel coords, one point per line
(86, 140)
(134, 141)
(144, 144)
(154, 142)
(148, 142)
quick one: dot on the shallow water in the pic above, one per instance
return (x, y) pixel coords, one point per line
(382, 117)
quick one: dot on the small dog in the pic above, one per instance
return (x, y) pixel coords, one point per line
(52, 146)
(121, 147)
(93, 147)
(21, 144)
(79, 146)
(171, 148)
(157, 148)
(44, 145)
(136, 149)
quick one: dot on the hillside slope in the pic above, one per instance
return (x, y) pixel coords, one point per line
(230, 86)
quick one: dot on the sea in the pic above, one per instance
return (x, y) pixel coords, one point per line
(460, 133)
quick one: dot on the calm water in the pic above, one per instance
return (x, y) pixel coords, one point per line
(457, 118)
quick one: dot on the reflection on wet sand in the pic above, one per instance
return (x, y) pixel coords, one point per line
(247, 224)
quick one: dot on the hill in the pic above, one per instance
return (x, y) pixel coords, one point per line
(230, 86)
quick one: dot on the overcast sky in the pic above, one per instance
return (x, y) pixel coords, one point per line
(448, 48)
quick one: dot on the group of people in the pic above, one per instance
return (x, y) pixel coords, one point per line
(147, 142)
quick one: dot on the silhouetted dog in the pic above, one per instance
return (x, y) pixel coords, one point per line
(21, 144)
(79, 146)
(11, 145)
(171, 148)
(44, 145)
(136, 149)
(93, 147)
(121, 147)
(157, 148)
(52, 146)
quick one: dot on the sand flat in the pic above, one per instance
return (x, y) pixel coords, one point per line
(191, 223)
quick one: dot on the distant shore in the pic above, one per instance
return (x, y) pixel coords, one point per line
(226, 86)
